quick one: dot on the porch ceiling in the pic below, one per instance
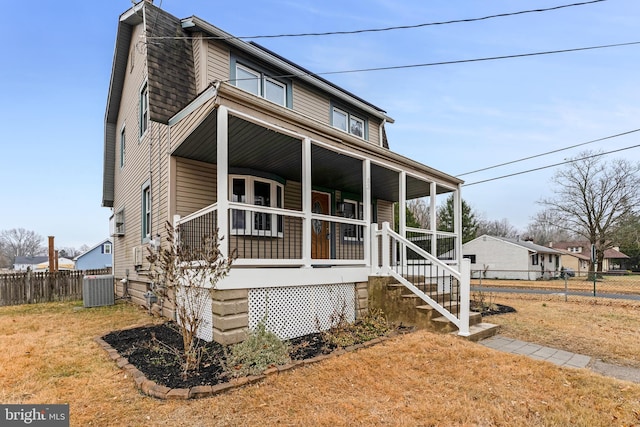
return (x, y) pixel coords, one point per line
(252, 146)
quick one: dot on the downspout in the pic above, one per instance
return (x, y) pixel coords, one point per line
(381, 132)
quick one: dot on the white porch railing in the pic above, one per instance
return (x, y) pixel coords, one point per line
(438, 284)
(268, 236)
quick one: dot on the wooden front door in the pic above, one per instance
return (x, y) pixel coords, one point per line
(320, 236)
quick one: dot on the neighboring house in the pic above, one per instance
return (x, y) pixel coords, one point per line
(99, 256)
(577, 256)
(205, 130)
(506, 258)
(24, 263)
(63, 264)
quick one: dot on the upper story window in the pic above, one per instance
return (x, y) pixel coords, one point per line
(106, 248)
(259, 83)
(122, 147)
(144, 109)
(348, 122)
(259, 192)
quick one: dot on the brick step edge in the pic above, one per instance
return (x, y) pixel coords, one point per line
(153, 389)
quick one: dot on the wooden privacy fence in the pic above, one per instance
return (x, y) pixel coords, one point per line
(33, 287)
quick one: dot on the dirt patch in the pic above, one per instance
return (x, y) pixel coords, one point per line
(493, 309)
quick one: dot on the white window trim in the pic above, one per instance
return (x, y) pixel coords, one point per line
(143, 94)
(147, 212)
(359, 229)
(248, 230)
(262, 79)
(106, 248)
(350, 117)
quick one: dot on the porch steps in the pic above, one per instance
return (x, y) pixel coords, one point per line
(402, 306)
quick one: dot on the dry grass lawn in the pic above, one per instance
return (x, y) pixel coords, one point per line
(49, 356)
(603, 328)
(608, 284)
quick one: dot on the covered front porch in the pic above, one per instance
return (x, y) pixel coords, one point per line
(297, 204)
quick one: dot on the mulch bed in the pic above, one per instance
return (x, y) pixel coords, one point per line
(494, 309)
(154, 350)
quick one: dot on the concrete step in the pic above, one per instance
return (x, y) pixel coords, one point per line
(481, 331)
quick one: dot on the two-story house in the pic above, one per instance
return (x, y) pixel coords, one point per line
(205, 130)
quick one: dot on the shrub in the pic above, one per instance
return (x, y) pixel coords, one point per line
(258, 352)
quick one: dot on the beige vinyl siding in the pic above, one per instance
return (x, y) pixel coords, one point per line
(195, 185)
(311, 103)
(218, 63)
(188, 124)
(374, 130)
(127, 180)
(385, 212)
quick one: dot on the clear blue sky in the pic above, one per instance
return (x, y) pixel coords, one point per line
(457, 118)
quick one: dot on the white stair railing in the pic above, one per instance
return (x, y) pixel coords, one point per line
(444, 287)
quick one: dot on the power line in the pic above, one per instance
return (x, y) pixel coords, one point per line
(549, 166)
(460, 61)
(400, 27)
(549, 152)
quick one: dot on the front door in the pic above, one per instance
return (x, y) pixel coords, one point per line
(320, 236)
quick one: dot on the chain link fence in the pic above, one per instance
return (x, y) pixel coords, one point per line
(615, 284)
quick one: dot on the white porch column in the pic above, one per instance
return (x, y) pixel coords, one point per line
(306, 202)
(222, 188)
(433, 221)
(366, 204)
(402, 214)
(457, 224)
(465, 295)
(373, 257)
(386, 249)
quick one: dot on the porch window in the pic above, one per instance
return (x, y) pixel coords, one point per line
(352, 232)
(258, 83)
(259, 192)
(348, 122)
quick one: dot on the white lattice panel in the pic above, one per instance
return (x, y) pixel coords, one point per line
(198, 301)
(296, 311)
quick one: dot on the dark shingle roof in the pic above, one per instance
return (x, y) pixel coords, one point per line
(171, 79)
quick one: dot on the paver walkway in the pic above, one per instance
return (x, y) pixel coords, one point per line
(561, 357)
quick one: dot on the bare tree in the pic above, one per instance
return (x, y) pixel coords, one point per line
(185, 275)
(420, 210)
(593, 196)
(20, 242)
(546, 227)
(497, 227)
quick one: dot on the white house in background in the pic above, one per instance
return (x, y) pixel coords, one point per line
(506, 258)
(63, 264)
(99, 256)
(23, 263)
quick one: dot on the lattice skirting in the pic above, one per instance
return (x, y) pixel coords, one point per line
(296, 311)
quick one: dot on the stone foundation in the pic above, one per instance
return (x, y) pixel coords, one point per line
(230, 313)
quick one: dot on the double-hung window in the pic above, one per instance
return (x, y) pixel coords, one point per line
(258, 192)
(144, 109)
(146, 212)
(106, 248)
(352, 232)
(260, 84)
(348, 122)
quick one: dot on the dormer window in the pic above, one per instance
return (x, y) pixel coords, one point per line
(348, 122)
(260, 84)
